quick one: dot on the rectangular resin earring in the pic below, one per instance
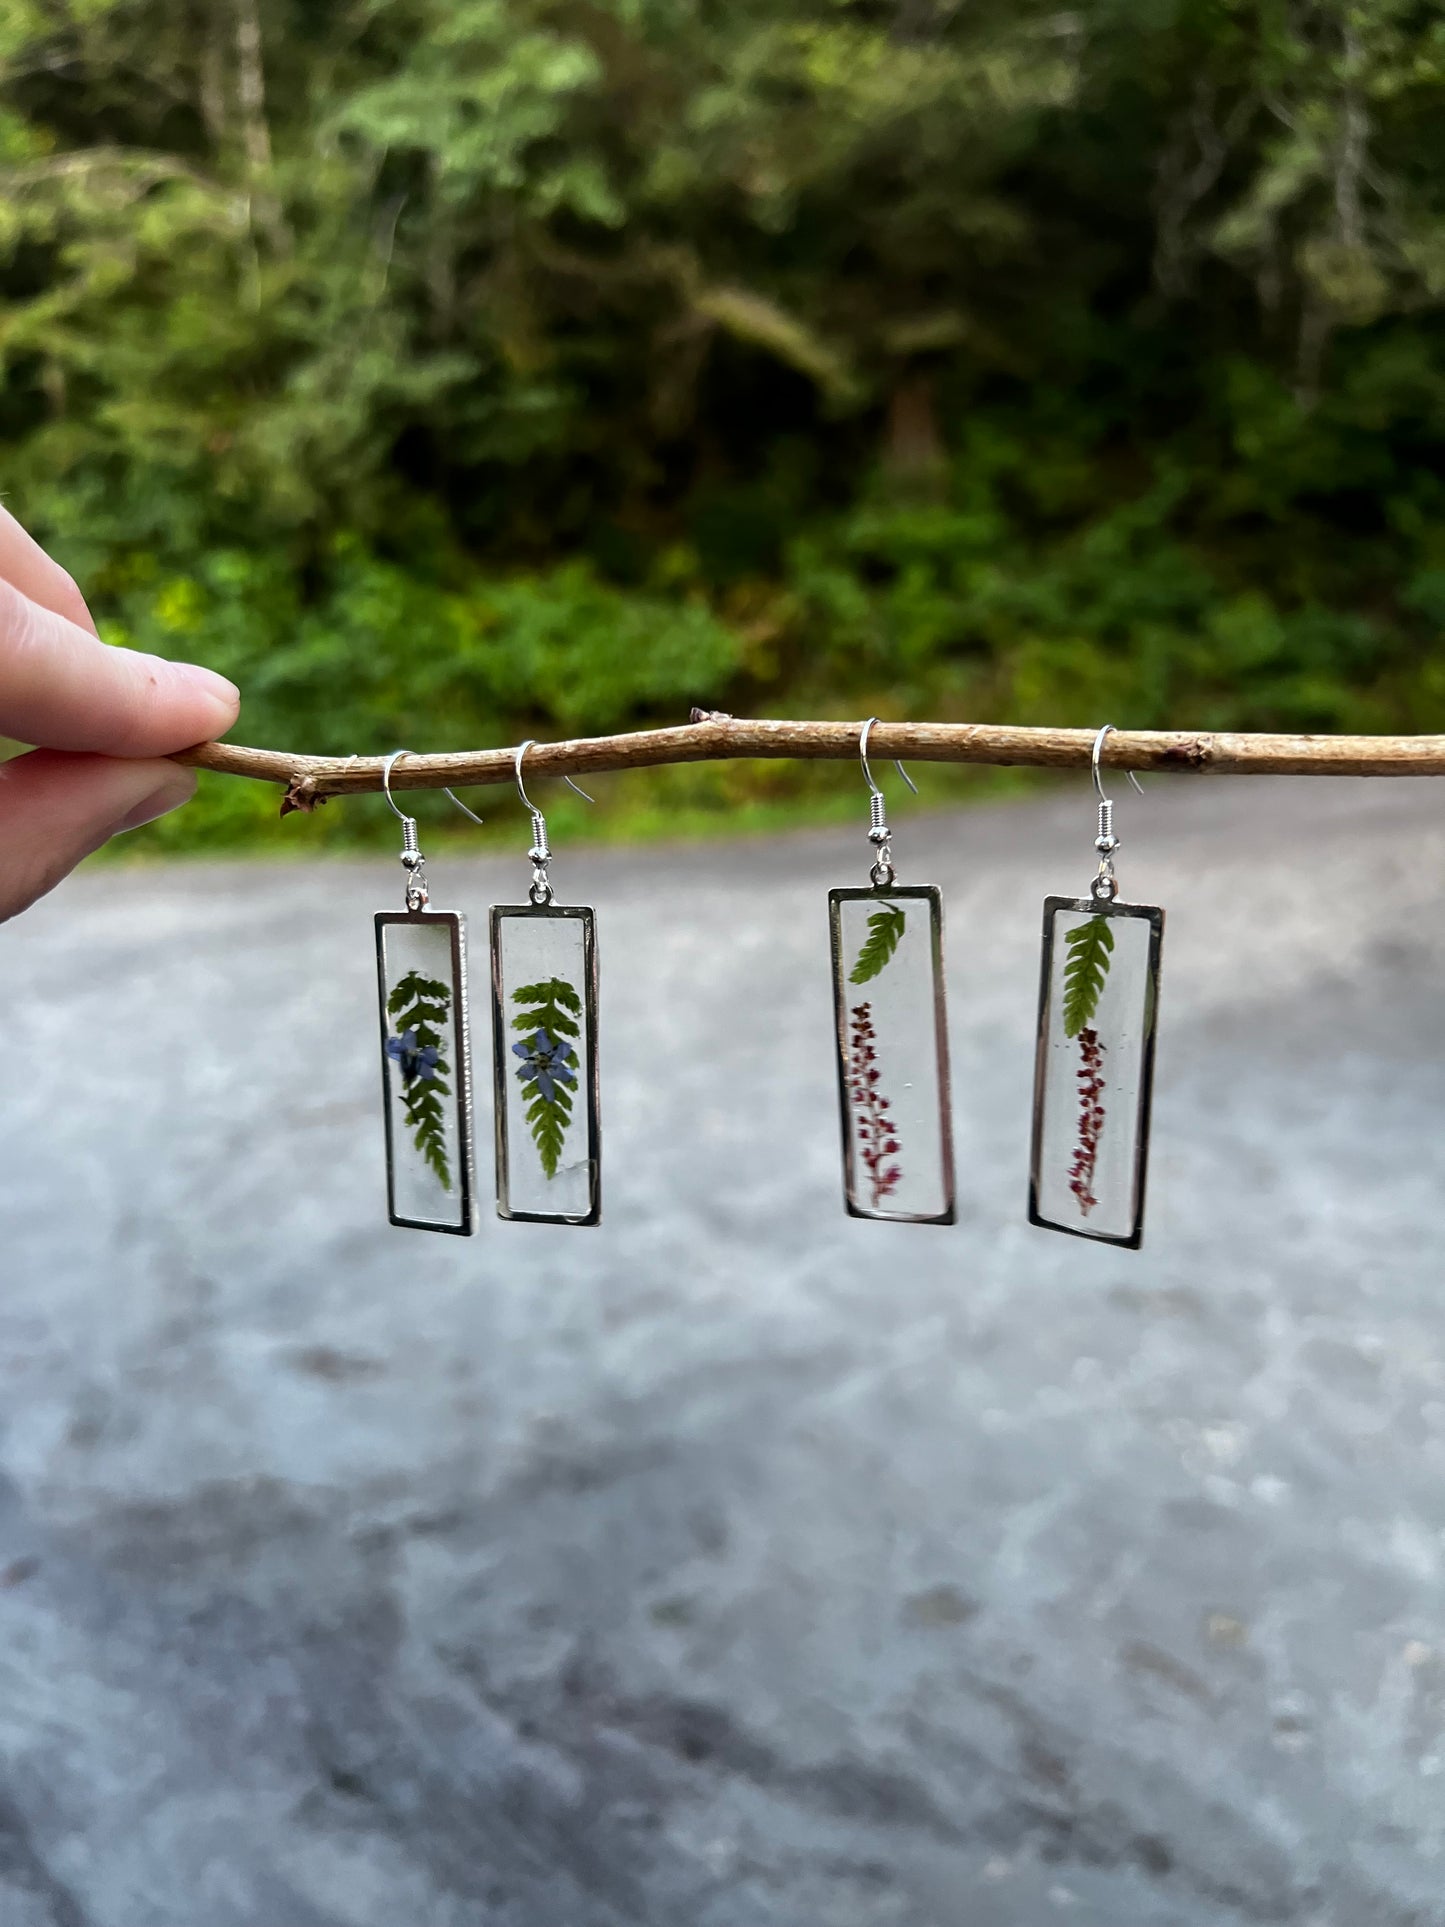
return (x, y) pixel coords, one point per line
(1094, 1069)
(544, 1046)
(426, 1065)
(892, 1037)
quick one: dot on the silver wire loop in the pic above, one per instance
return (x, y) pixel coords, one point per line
(1097, 752)
(867, 772)
(413, 862)
(883, 873)
(386, 769)
(1105, 886)
(541, 851)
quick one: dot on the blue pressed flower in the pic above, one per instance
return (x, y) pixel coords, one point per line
(547, 1060)
(415, 1060)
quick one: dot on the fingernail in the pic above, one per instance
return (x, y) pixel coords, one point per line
(207, 683)
(162, 800)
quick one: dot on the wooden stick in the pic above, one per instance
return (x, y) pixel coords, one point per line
(712, 737)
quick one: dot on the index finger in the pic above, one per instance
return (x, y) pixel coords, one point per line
(34, 573)
(62, 688)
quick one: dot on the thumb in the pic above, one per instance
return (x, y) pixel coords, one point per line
(55, 808)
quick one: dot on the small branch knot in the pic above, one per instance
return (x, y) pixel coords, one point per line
(301, 795)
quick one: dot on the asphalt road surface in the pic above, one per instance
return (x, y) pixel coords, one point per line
(734, 1564)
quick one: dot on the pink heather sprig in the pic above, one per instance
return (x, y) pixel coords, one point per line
(873, 1123)
(1091, 1120)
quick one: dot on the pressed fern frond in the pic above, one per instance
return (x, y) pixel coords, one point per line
(554, 1007)
(885, 929)
(1090, 946)
(416, 989)
(547, 1119)
(427, 1120)
(422, 1006)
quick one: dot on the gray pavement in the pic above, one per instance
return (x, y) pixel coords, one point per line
(733, 1565)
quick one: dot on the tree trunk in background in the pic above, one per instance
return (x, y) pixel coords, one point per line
(913, 450)
(251, 88)
(211, 69)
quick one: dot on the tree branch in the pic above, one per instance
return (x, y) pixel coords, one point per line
(712, 737)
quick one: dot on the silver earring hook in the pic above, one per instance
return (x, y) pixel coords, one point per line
(882, 874)
(540, 852)
(1105, 886)
(387, 766)
(413, 862)
(386, 770)
(527, 803)
(1097, 752)
(873, 789)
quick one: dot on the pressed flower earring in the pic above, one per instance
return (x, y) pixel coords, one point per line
(426, 1065)
(544, 1047)
(892, 1036)
(1094, 1070)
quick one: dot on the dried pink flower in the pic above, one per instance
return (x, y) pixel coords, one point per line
(1091, 1120)
(873, 1125)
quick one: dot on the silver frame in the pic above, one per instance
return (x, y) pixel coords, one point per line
(1154, 916)
(922, 893)
(462, 1054)
(582, 914)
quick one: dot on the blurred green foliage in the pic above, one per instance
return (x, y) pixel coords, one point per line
(451, 370)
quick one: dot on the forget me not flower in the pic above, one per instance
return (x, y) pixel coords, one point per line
(548, 1060)
(415, 1061)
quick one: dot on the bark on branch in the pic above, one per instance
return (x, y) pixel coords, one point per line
(715, 738)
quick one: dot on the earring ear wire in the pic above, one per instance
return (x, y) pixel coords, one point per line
(1105, 886)
(413, 862)
(879, 833)
(541, 851)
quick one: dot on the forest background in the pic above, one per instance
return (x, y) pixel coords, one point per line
(449, 371)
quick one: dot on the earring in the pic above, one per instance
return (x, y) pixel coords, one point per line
(1094, 1070)
(426, 1063)
(544, 1045)
(892, 1036)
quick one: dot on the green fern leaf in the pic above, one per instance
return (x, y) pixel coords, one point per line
(885, 929)
(416, 989)
(552, 1006)
(422, 1006)
(547, 1119)
(428, 1013)
(1090, 947)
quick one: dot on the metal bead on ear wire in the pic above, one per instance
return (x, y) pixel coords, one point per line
(544, 1041)
(1094, 1068)
(426, 1059)
(892, 1035)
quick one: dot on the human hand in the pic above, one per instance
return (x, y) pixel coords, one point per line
(104, 717)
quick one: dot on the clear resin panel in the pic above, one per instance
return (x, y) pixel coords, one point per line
(892, 1053)
(544, 1027)
(1094, 1073)
(426, 1068)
